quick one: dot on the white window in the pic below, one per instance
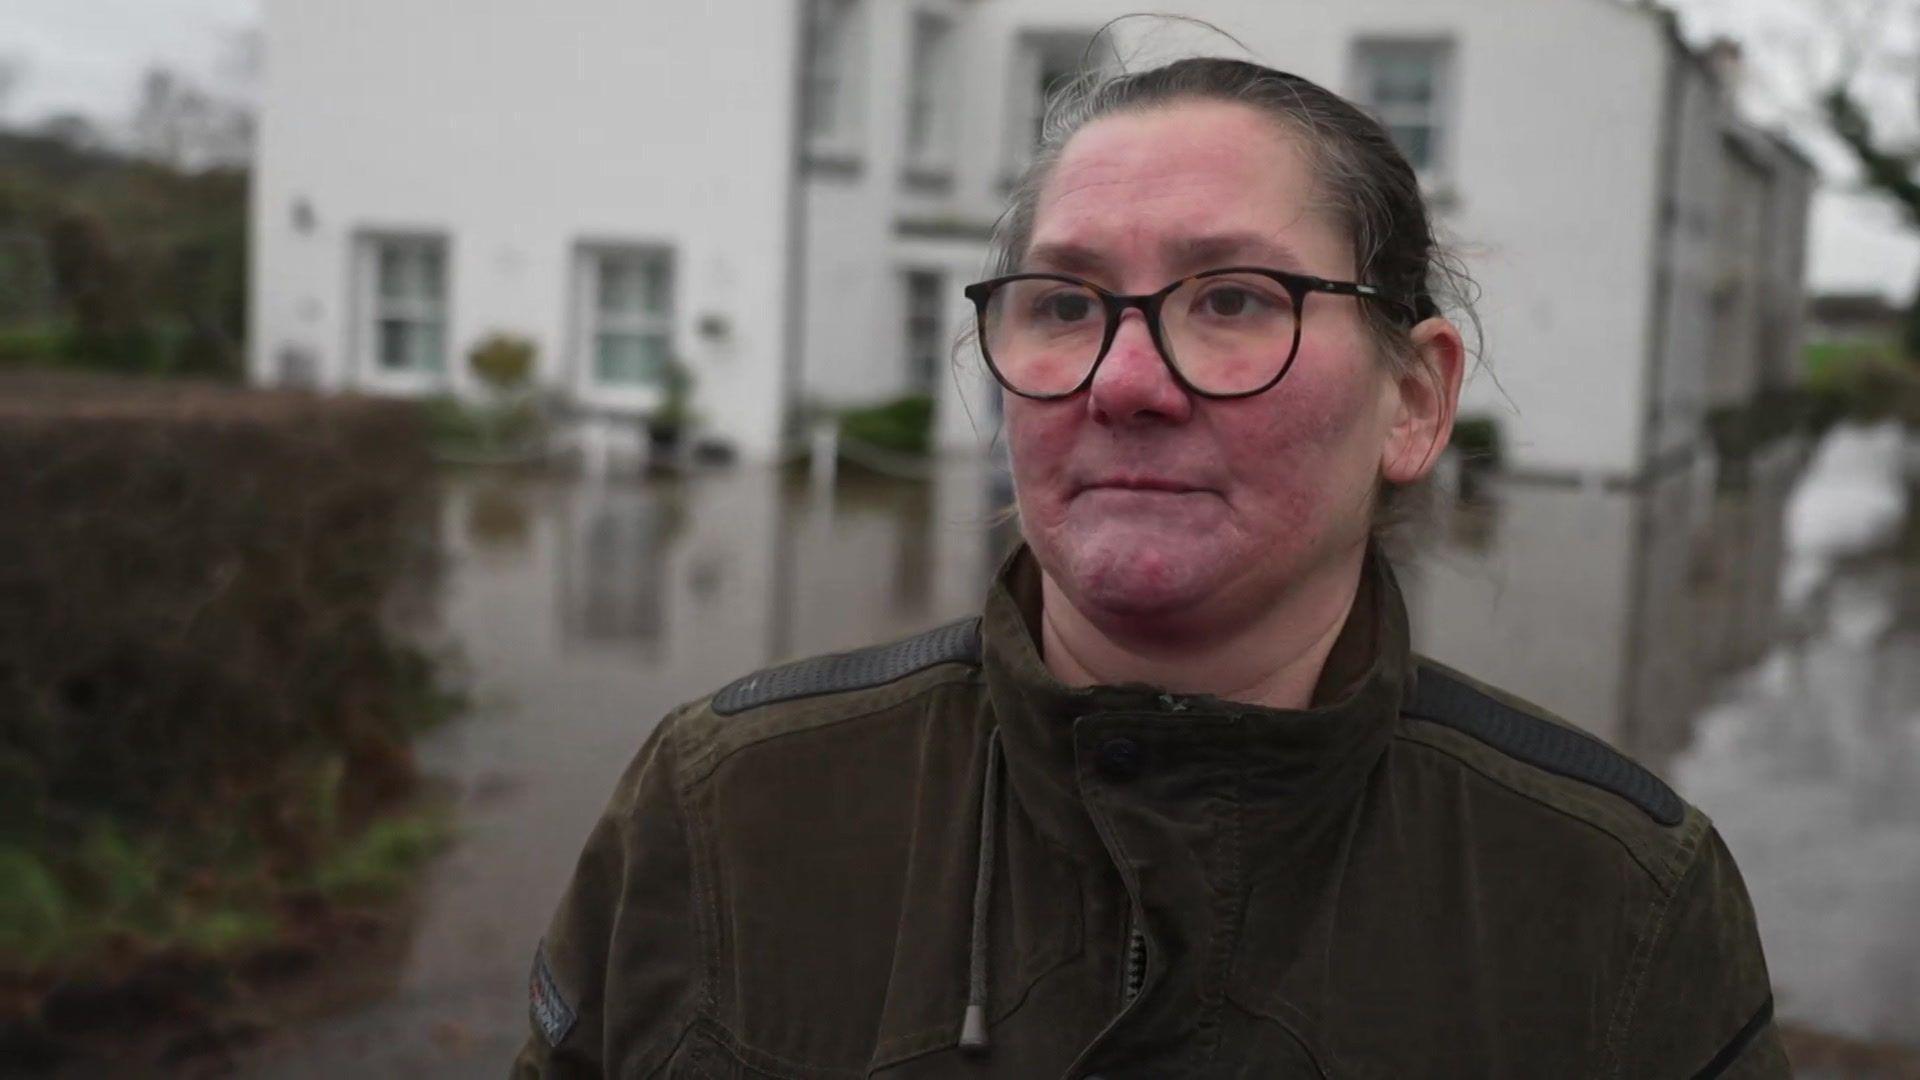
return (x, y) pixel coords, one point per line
(628, 336)
(924, 332)
(1043, 65)
(833, 86)
(931, 94)
(1407, 85)
(407, 331)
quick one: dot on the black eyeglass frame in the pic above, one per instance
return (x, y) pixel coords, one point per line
(1117, 305)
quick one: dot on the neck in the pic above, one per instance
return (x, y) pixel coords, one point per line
(1272, 659)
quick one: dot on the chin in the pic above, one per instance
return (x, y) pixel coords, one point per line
(1134, 577)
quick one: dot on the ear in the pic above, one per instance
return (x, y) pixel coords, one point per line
(1428, 396)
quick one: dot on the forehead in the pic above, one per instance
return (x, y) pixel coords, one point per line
(1149, 185)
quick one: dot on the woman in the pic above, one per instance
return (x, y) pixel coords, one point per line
(1181, 801)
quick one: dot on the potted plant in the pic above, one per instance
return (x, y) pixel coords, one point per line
(504, 364)
(667, 425)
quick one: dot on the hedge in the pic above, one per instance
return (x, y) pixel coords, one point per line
(205, 704)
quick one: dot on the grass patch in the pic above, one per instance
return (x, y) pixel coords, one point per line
(1860, 381)
(380, 862)
(1825, 361)
(124, 898)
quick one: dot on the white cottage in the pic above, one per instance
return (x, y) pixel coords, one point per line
(788, 195)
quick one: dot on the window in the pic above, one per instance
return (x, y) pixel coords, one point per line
(832, 108)
(923, 330)
(629, 337)
(1042, 65)
(930, 96)
(1406, 85)
(409, 328)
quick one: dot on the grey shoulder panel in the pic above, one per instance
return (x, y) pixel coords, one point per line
(863, 669)
(1443, 699)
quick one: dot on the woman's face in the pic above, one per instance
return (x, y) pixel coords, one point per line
(1141, 501)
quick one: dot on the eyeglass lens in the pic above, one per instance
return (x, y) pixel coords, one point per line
(1226, 334)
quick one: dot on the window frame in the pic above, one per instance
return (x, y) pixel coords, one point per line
(373, 307)
(590, 321)
(1027, 97)
(934, 314)
(838, 141)
(929, 127)
(1440, 117)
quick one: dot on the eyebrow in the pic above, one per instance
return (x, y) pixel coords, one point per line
(1065, 257)
(1187, 254)
(1193, 253)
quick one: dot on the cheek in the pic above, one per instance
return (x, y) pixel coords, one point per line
(1316, 435)
(1040, 436)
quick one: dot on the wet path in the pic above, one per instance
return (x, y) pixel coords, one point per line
(1810, 765)
(585, 612)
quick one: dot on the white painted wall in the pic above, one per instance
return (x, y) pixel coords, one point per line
(856, 252)
(520, 132)
(1691, 253)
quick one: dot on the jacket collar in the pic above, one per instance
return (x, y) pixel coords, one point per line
(1294, 765)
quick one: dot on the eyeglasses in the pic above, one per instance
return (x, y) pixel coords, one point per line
(1225, 333)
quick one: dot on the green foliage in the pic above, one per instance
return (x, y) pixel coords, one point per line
(380, 861)
(1825, 361)
(504, 362)
(33, 907)
(38, 345)
(459, 427)
(205, 705)
(1477, 438)
(224, 932)
(675, 413)
(1860, 381)
(903, 426)
(134, 267)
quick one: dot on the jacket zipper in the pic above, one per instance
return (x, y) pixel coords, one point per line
(1136, 964)
(1134, 978)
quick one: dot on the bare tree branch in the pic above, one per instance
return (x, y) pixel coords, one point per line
(1887, 172)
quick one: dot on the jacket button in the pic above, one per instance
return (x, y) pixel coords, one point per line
(1120, 759)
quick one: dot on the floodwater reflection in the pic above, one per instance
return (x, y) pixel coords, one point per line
(1810, 765)
(587, 610)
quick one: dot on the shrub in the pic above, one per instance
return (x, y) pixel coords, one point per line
(904, 426)
(458, 427)
(141, 267)
(504, 362)
(1477, 438)
(1860, 382)
(203, 701)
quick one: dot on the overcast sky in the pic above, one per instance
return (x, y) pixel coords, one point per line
(87, 56)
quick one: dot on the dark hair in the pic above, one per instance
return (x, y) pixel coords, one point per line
(1362, 179)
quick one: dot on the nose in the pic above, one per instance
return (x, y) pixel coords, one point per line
(1133, 384)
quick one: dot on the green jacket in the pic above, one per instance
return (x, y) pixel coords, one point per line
(932, 859)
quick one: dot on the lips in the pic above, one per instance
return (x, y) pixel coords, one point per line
(1142, 483)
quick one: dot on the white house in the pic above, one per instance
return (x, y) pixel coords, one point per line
(789, 194)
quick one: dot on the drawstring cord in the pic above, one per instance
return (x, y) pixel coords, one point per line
(973, 1027)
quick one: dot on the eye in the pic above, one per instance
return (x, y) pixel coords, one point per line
(1228, 301)
(1232, 301)
(1064, 306)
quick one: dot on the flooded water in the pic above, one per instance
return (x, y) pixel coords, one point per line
(586, 610)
